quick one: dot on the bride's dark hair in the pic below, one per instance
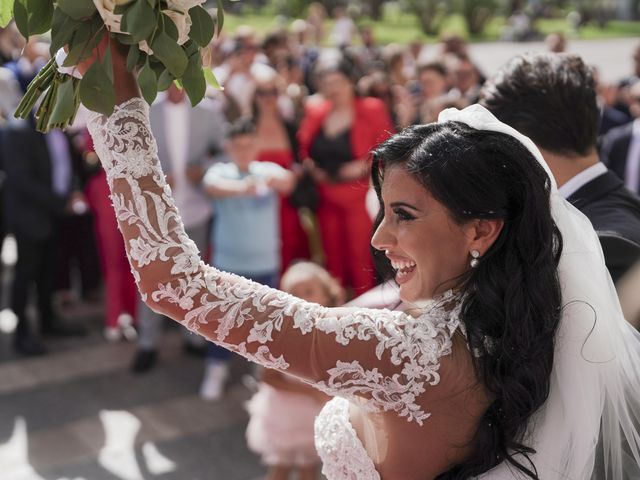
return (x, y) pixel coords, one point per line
(511, 306)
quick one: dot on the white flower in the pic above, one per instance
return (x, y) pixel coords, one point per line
(144, 46)
(183, 24)
(183, 5)
(110, 19)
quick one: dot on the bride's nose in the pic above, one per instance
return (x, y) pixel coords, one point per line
(382, 238)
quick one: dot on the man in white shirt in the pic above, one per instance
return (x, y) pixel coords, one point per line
(551, 98)
(187, 138)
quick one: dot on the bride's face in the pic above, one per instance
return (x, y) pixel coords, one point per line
(427, 248)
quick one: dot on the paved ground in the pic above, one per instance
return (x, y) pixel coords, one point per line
(79, 414)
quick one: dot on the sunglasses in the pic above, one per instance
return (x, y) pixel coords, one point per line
(271, 92)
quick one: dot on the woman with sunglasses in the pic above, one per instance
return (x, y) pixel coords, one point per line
(278, 144)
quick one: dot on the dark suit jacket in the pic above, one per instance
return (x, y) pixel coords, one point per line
(30, 203)
(615, 148)
(614, 212)
(611, 118)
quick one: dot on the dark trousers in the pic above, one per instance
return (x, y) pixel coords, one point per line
(35, 266)
(76, 249)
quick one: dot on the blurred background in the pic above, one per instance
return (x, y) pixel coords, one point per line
(95, 386)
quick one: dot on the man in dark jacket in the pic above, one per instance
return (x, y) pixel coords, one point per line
(551, 98)
(38, 190)
(621, 146)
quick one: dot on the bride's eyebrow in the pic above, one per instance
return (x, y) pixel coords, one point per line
(404, 204)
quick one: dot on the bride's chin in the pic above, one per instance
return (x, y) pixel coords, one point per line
(408, 295)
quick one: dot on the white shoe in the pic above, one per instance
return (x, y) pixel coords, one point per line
(215, 377)
(125, 322)
(112, 334)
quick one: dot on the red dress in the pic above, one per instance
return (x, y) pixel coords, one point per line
(294, 241)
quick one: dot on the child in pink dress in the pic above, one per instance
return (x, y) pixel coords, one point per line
(284, 409)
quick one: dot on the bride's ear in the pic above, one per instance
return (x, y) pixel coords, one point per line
(483, 233)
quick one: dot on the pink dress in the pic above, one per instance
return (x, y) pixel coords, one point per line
(281, 426)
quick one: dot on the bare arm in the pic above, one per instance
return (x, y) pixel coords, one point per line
(283, 183)
(225, 188)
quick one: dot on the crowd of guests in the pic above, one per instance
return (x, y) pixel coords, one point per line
(274, 170)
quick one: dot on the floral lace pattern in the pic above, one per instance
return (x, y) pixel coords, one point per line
(343, 455)
(388, 359)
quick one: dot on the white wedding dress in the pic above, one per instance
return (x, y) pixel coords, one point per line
(382, 362)
(392, 357)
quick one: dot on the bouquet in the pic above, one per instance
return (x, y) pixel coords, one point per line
(164, 37)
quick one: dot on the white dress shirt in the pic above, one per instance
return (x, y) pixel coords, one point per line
(194, 207)
(61, 169)
(581, 179)
(632, 168)
(176, 130)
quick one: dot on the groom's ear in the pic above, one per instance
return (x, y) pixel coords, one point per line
(483, 233)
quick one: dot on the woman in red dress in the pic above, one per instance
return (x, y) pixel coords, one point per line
(337, 134)
(278, 144)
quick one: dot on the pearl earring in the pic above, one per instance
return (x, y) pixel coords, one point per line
(476, 255)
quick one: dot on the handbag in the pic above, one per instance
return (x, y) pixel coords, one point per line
(305, 193)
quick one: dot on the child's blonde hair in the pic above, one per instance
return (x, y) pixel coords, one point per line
(303, 271)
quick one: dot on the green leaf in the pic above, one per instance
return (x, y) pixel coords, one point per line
(190, 48)
(211, 78)
(96, 91)
(77, 45)
(82, 44)
(220, 20)
(170, 54)
(107, 63)
(140, 20)
(202, 26)
(165, 80)
(62, 29)
(193, 80)
(21, 17)
(170, 28)
(6, 12)
(65, 105)
(157, 65)
(77, 9)
(124, 39)
(40, 16)
(33, 17)
(148, 83)
(132, 57)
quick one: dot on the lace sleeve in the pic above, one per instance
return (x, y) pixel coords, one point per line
(385, 358)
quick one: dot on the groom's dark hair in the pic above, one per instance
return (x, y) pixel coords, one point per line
(549, 97)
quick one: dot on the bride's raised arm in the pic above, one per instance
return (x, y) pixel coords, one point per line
(385, 357)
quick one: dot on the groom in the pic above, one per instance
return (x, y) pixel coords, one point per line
(551, 98)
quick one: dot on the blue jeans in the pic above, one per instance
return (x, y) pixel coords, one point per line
(216, 353)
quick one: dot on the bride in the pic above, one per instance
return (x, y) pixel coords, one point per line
(514, 362)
